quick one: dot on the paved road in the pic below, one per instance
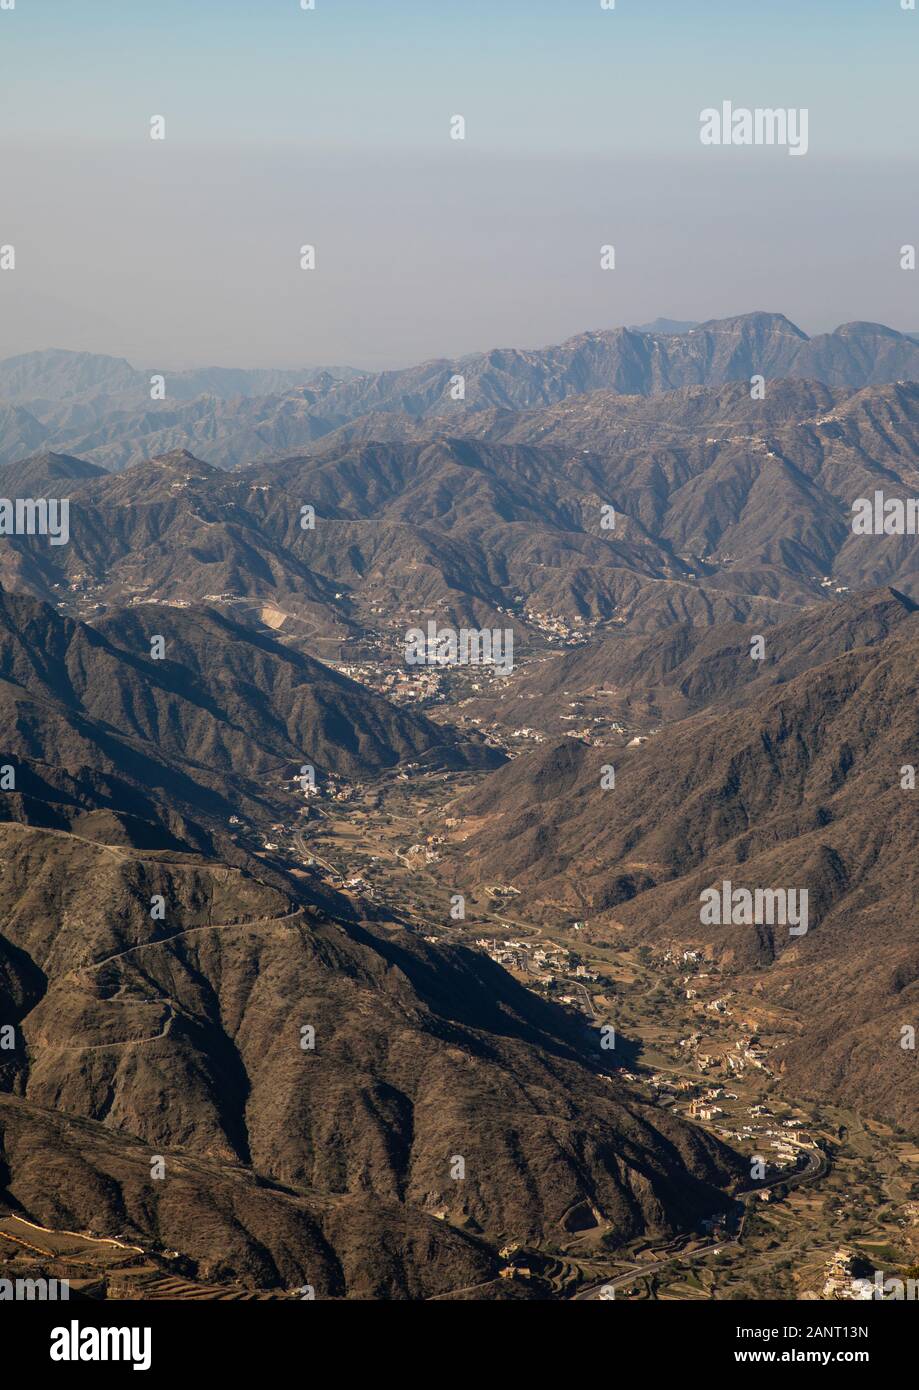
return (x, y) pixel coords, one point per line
(817, 1167)
(307, 853)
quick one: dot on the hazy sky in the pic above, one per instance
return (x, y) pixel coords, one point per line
(332, 127)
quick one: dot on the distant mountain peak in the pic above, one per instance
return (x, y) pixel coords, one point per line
(181, 461)
(236, 417)
(865, 328)
(760, 319)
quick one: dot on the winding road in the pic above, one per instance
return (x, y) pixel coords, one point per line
(816, 1167)
(171, 1013)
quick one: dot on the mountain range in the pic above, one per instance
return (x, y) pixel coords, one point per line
(180, 1030)
(146, 750)
(691, 608)
(792, 771)
(100, 408)
(722, 509)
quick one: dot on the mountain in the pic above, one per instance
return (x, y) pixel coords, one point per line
(801, 785)
(333, 1165)
(174, 529)
(224, 1224)
(56, 375)
(724, 509)
(101, 403)
(20, 433)
(718, 500)
(111, 743)
(45, 474)
(632, 363)
(682, 669)
(345, 1093)
(100, 408)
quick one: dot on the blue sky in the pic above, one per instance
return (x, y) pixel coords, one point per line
(528, 74)
(330, 126)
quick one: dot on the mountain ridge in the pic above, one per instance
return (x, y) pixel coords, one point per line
(293, 409)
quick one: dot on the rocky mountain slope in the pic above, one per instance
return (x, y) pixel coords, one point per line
(100, 408)
(184, 1037)
(101, 734)
(667, 675)
(718, 509)
(804, 785)
(339, 1099)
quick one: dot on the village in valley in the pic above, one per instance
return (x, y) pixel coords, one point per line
(832, 1197)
